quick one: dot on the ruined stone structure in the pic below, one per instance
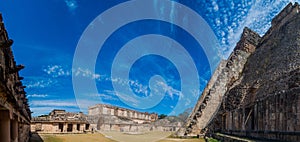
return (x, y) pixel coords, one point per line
(111, 118)
(256, 91)
(138, 117)
(14, 110)
(60, 121)
(227, 72)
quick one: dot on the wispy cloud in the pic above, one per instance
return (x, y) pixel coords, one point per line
(37, 95)
(108, 96)
(56, 71)
(38, 82)
(71, 4)
(63, 71)
(170, 90)
(127, 98)
(53, 103)
(86, 73)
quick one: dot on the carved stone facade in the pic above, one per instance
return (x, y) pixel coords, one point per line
(110, 118)
(256, 92)
(138, 117)
(60, 121)
(14, 110)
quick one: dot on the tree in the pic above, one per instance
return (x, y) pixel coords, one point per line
(162, 116)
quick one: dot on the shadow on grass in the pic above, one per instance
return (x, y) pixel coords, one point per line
(44, 138)
(35, 137)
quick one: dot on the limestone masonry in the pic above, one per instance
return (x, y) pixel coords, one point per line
(104, 117)
(14, 110)
(137, 117)
(255, 92)
(60, 121)
(101, 117)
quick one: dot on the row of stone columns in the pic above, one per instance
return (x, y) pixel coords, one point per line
(9, 127)
(72, 127)
(5, 126)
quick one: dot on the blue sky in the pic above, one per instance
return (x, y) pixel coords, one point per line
(46, 34)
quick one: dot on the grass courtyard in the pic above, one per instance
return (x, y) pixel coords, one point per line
(110, 137)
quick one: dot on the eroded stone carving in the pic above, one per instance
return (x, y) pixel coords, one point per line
(14, 110)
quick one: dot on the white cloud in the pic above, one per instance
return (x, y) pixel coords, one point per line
(39, 83)
(102, 96)
(140, 88)
(86, 73)
(71, 4)
(60, 71)
(170, 90)
(53, 103)
(57, 71)
(215, 6)
(128, 99)
(120, 94)
(37, 95)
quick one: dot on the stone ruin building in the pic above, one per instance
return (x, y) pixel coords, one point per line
(107, 117)
(255, 93)
(14, 110)
(101, 117)
(60, 121)
(104, 117)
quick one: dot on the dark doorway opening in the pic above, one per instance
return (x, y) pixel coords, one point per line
(87, 126)
(70, 128)
(61, 127)
(78, 127)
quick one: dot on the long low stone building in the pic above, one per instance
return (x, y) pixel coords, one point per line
(138, 117)
(111, 118)
(60, 121)
(14, 109)
(103, 117)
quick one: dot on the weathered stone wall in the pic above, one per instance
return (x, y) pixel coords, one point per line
(137, 128)
(54, 127)
(98, 110)
(14, 110)
(227, 74)
(101, 118)
(260, 86)
(59, 121)
(266, 102)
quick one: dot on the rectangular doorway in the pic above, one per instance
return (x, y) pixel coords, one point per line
(87, 126)
(78, 127)
(70, 128)
(61, 127)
